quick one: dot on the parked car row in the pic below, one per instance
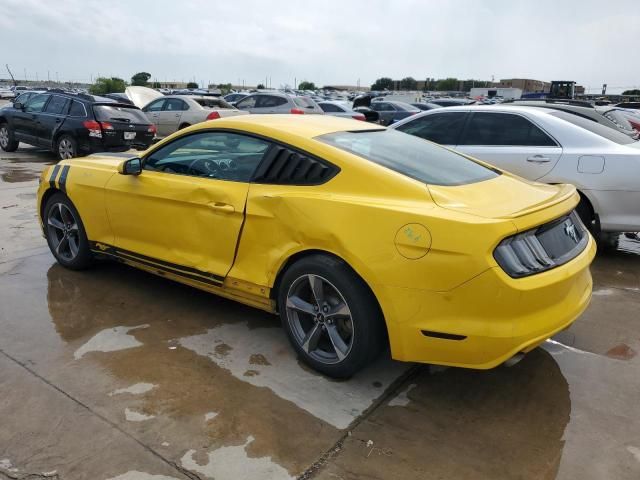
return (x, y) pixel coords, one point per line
(74, 124)
(549, 146)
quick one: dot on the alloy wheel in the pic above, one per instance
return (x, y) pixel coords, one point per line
(65, 149)
(320, 319)
(4, 137)
(62, 229)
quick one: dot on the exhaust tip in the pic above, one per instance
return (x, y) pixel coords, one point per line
(513, 360)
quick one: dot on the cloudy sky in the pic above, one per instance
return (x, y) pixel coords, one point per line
(332, 42)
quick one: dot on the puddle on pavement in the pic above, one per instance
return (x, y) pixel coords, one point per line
(537, 416)
(136, 475)
(23, 169)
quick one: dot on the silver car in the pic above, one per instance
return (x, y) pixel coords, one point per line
(339, 108)
(277, 102)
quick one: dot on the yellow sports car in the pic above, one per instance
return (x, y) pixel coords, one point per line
(358, 236)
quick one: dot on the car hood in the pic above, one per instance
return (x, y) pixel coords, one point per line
(505, 196)
(142, 96)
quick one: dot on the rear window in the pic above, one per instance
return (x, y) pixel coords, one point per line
(606, 132)
(304, 102)
(411, 156)
(108, 113)
(406, 107)
(212, 103)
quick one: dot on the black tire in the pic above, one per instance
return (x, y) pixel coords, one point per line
(341, 285)
(60, 217)
(8, 143)
(184, 125)
(608, 241)
(66, 147)
(586, 214)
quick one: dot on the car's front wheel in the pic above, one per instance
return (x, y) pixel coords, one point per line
(65, 233)
(7, 141)
(331, 317)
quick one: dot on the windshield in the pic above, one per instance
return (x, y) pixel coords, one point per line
(411, 156)
(212, 103)
(606, 132)
(108, 113)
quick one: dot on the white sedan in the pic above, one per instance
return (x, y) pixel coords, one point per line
(548, 146)
(174, 112)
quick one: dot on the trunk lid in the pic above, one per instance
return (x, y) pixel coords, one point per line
(142, 96)
(505, 197)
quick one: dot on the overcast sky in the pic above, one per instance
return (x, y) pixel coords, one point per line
(332, 42)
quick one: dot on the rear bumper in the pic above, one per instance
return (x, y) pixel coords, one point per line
(97, 145)
(491, 317)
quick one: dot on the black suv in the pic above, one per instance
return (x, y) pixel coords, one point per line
(72, 124)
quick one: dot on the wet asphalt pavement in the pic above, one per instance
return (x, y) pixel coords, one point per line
(113, 373)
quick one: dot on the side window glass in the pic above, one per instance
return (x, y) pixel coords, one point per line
(36, 104)
(174, 104)
(329, 107)
(155, 106)
(77, 109)
(57, 105)
(504, 129)
(215, 155)
(248, 102)
(442, 128)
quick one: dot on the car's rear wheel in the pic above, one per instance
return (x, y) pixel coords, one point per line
(7, 141)
(331, 317)
(184, 125)
(65, 233)
(67, 147)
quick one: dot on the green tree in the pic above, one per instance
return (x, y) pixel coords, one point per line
(447, 84)
(225, 88)
(157, 85)
(383, 83)
(631, 92)
(408, 83)
(107, 85)
(192, 85)
(260, 86)
(140, 79)
(306, 85)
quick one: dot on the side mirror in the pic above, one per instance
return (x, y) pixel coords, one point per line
(18, 106)
(133, 166)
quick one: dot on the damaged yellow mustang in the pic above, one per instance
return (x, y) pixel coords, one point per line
(360, 237)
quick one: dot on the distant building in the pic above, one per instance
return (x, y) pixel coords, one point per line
(171, 85)
(507, 93)
(527, 85)
(349, 88)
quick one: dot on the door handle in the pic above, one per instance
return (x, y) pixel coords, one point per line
(178, 114)
(222, 207)
(58, 120)
(538, 159)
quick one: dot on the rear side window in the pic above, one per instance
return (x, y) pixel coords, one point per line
(503, 129)
(57, 105)
(442, 128)
(411, 156)
(606, 132)
(108, 113)
(77, 109)
(268, 101)
(175, 104)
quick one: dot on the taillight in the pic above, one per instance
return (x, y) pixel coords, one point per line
(359, 117)
(152, 129)
(106, 126)
(296, 111)
(213, 115)
(93, 127)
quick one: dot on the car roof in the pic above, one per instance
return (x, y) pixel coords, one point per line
(281, 126)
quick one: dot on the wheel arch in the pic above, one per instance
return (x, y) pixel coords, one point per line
(45, 198)
(295, 257)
